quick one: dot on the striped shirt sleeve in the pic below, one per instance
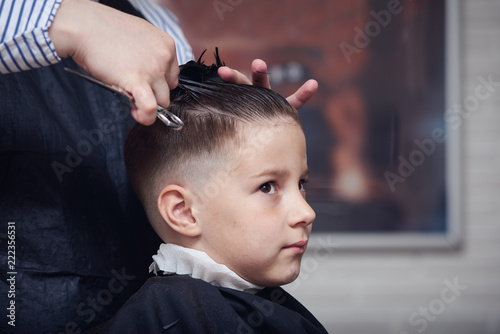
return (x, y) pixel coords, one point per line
(24, 36)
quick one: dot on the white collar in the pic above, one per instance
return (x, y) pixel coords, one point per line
(175, 259)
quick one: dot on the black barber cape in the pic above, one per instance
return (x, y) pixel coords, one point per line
(181, 304)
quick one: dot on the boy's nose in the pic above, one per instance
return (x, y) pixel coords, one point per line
(302, 213)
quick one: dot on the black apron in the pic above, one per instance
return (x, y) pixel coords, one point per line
(82, 241)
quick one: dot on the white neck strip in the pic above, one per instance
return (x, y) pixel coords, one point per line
(175, 259)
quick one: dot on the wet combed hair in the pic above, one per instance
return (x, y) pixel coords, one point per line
(211, 111)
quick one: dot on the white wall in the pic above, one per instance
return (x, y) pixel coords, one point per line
(377, 292)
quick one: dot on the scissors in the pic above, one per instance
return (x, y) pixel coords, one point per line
(170, 120)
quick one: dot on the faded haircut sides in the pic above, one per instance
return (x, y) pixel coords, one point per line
(211, 111)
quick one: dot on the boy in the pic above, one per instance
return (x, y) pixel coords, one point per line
(226, 195)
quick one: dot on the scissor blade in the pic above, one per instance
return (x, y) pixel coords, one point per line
(170, 120)
(112, 88)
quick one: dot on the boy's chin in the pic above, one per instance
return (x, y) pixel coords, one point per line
(293, 276)
(285, 277)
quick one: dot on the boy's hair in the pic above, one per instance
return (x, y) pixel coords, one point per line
(211, 111)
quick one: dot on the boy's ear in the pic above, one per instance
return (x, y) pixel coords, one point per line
(174, 204)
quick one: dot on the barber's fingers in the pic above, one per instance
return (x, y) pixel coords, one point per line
(303, 94)
(165, 75)
(144, 108)
(260, 76)
(161, 91)
(232, 76)
(172, 74)
(147, 96)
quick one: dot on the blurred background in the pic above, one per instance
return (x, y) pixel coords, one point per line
(381, 68)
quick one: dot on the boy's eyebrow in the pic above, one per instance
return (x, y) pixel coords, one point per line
(274, 172)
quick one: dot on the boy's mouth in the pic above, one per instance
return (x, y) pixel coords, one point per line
(298, 247)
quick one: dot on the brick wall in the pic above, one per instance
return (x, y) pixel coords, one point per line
(453, 291)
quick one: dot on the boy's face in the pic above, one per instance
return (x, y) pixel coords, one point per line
(256, 220)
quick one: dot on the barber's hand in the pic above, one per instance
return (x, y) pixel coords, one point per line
(260, 78)
(118, 49)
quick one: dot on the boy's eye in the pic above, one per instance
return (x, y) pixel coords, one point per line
(302, 184)
(267, 188)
